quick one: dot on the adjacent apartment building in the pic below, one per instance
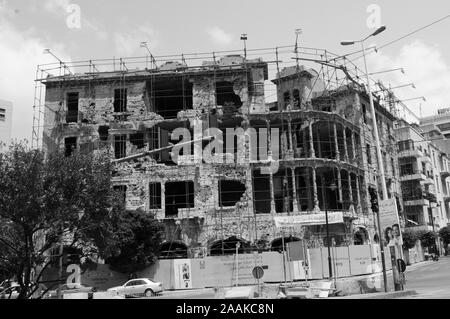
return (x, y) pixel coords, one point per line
(5, 123)
(279, 166)
(424, 176)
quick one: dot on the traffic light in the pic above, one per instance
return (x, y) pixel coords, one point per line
(373, 200)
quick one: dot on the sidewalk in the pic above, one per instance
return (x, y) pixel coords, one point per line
(381, 295)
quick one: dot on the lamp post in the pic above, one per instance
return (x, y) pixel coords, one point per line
(145, 46)
(377, 142)
(244, 38)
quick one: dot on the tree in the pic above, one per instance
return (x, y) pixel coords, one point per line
(410, 238)
(444, 233)
(428, 239)
(138, 239)
(46, 200)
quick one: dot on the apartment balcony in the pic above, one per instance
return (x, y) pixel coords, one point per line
(413, 176)
(420, 228)
(417, 202)
(411, 153)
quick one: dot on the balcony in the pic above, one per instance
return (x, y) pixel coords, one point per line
(417, 202)
(411, 153)
(412, 176)
(420, 228)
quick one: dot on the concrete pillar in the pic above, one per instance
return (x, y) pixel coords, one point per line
(336, 145)
(163, 201)
(291, 148)
(345, 144)
(318, 142)
(296, 209)
(353, 146)
(269, 140)
(311, 141)
(358, 190)
(272, 196)
(316, 198)
(340, 185)
(351, 207)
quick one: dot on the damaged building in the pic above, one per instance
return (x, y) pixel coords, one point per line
(313, 151)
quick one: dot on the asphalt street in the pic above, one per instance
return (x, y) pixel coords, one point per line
(431, 281)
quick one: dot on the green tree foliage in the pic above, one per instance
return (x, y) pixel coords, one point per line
(428, 239)
(410, 238)
(46, 199)
(444, 233)
(138, 238)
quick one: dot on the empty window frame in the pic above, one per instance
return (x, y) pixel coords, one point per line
(178, 195)
(70, 145)
(2, 115)
(120, 100)
(155, 195)
(364, 113)
(368, 153)
(171, 95)
(225, 95)
(296, 95)
(120, 146)
(72, 107)
(286, 99)
(230, 192)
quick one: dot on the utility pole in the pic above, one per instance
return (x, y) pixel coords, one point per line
(377, 143)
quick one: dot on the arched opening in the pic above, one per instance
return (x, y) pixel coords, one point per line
(277, 243)
(228, 246)
(173, 250)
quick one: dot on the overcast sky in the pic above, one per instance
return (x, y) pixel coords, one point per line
(115, 28)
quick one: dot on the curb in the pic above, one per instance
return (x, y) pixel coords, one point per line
(381, 295)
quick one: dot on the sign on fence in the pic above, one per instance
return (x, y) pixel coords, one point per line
(308, 219)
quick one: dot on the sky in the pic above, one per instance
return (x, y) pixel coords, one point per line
(96, 29)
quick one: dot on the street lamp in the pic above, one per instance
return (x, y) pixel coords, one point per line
(377, 141)
(391, 70)
(244, 38)
(415, 98)
(145, 45)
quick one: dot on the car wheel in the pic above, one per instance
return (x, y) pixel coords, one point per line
(149, 293)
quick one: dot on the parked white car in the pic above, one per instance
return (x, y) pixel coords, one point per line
(139, 287)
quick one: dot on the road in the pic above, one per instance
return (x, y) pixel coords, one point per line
(431, 280)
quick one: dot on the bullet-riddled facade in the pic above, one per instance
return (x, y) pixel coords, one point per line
(278, 166)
